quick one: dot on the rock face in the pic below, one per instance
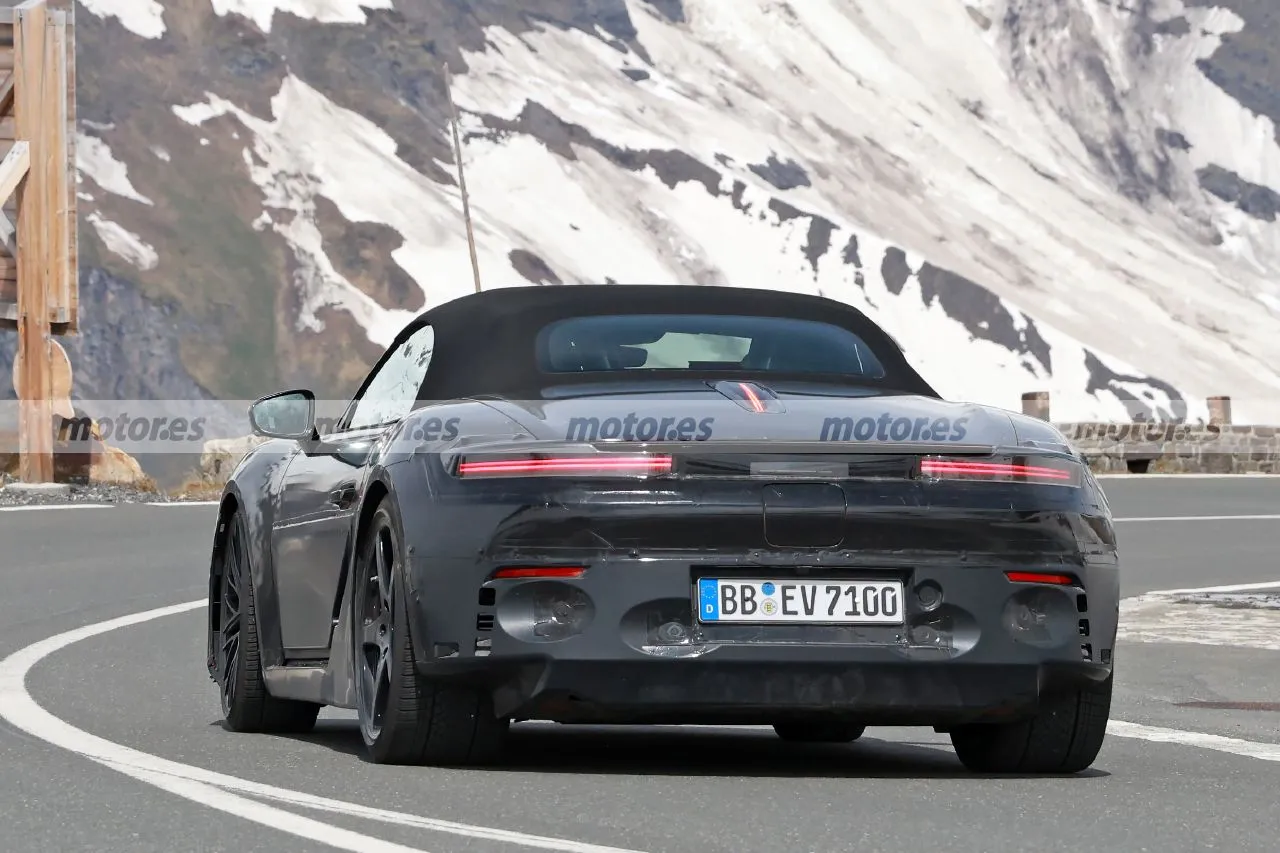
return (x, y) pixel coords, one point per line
(221, 456)
(130, 347)
(113, 466)
(1028, 194)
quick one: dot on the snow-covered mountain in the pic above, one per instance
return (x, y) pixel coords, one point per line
(1078, 196)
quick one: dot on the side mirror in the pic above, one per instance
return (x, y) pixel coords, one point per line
(289, 414)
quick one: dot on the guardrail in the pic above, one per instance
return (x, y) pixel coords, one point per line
(1216, 446)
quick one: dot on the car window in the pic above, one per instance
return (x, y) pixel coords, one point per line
(701, 342)
(391, 394)
(680, 349)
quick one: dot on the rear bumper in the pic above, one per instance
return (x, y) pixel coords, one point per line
(727, 692)
(957, 657)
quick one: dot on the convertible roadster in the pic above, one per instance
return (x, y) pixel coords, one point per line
(663, 505)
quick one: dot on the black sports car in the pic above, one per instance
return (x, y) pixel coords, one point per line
(663, 504)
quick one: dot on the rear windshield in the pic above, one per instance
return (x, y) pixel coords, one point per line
(702, 342)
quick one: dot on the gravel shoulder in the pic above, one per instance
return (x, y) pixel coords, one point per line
(12, 495)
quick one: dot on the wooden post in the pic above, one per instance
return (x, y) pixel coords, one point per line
(1036, 404)
(32, 125)
(1219, 410)
(38, 259)
(53, 101)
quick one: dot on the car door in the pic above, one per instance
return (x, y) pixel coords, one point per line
(321, 491)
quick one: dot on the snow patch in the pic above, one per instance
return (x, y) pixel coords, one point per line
(140, 17)
(1219, 129)
(261, 12)
(1162, 618)
(699, 238)
(124, 242)
(914, 133)
(197, 114)
(95, 159)
(312, 147)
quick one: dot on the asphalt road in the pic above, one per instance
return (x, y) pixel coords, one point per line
(142, 687)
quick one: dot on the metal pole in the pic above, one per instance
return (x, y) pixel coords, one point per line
(462, 181)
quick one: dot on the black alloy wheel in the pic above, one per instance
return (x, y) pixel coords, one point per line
(405, 717)
(375, 625)
(229, 618)
(247, 705)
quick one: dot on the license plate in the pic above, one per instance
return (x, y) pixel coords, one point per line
(840, 602)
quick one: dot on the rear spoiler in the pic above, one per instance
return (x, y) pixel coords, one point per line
(740, 446)
(776, 446)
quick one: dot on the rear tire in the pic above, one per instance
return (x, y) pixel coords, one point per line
(819, 732)
(246, 704)
(404, 717)
(1065, 736)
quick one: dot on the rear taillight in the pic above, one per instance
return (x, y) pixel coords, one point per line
(526, 572)
(1040, 470)
(593, 465)
(1041, 577)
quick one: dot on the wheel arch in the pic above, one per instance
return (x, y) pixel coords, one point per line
(228, 506)
(340, 683)
(400, 482)
(253, 491)
(375, 493)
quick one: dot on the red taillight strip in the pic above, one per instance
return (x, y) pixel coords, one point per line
(1040, 577)
(936, 467)
(756, 403)
(508, 572)
(567, 465)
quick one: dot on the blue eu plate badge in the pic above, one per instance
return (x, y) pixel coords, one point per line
(708, 599)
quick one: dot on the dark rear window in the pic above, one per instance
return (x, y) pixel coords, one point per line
(702, 342)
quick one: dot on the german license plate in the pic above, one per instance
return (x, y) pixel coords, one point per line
(841, 602)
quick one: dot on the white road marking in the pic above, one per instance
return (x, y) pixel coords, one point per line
(268, 816)
(215, 790)
(1219, 743)
(32, 507)
(20, 709)
(1127, 476)
(1202, 518)
(1234, 587)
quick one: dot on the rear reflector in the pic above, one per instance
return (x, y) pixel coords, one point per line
(1039, 470)
(539, 572)
(1040, 577)
(594, 465)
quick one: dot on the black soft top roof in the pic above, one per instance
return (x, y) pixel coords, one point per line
(485, 343)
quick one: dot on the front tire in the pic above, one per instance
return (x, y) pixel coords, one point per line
(405, 718)
(1065, 736)
(246, 704)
